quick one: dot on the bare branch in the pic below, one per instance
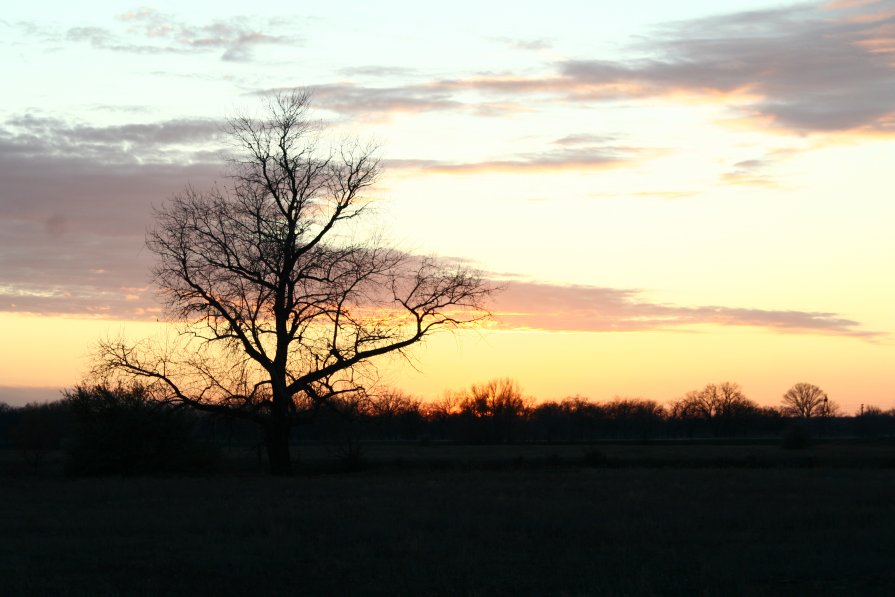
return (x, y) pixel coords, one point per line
(279, 312)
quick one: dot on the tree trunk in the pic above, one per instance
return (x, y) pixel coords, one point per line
(277, 439)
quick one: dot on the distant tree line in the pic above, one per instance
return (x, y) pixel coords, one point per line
(499, 412)
(125, 430)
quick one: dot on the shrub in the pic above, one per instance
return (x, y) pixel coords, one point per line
(39, 429)
(123, 430)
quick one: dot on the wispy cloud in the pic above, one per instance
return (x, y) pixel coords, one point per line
(572, 152)
(760, 171)
(551, 307)
(350, 98)
(377, 71)
(584, 139)
(800, 68)
(588, 157)
(749, 173)
(149, 31)
(805, 68)
(34, 135)
(540, 43)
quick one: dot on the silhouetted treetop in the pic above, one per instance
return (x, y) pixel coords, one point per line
(806, 400)
(280, 306)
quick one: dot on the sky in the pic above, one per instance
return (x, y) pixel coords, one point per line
(671, 194)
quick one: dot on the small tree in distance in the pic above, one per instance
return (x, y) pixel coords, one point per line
(496, 407)
(714, 401)
(806, 400)
(279, 307)
(495, 398)
(717, 405)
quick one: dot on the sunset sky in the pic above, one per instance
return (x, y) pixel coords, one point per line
(671, 195)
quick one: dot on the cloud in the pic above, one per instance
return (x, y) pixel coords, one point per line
(353, 100)
(173, 140)
(838, 4)
(74, 206)
(584, 139)
(801, 68)
(148, 31)
(805, 68)
(553, 160)
(574, 152)
(377, 71)
(349, 98)
(526, 44)
(760, 171)
(551, 307)
(749, 173)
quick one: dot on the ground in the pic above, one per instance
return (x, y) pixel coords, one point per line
(477, 521)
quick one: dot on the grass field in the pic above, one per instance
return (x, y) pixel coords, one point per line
(537, 525)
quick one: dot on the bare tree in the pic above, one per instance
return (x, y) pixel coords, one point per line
(495, 409)
(391, 402)
(280, 309)
(713, 401)
(496, 398)
(806, 400)
(719, 405)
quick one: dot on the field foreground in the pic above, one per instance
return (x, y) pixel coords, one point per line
(528, 531)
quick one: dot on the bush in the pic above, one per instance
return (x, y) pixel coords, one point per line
(8, 418)
(123, 430)
(38, 430)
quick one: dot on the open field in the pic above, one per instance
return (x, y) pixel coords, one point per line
(746, 453)
(538, 526)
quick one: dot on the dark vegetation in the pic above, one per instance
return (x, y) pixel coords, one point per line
(111, 492)
(547, 531)
(125, 430)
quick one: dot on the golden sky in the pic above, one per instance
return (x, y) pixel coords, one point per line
(672, 195)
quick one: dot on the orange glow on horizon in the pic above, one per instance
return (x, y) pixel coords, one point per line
(658, 365)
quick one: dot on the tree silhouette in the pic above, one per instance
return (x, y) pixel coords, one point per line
(806, 400)
(395, 414)
(494, 407)
(720, 406)
(279, 308)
